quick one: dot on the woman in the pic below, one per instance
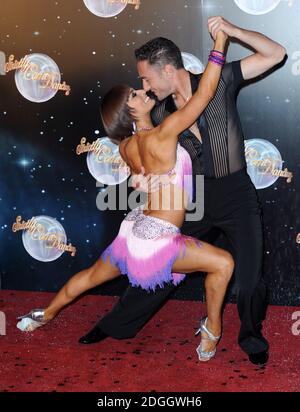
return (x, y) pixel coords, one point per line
(149, 247)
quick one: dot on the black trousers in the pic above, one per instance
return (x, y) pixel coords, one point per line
(231, 205)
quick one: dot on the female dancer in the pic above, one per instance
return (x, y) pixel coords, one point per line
(149, 247)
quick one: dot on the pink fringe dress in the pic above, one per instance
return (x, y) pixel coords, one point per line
(146, 247)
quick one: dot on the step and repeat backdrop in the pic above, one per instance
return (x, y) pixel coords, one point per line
(57, 60)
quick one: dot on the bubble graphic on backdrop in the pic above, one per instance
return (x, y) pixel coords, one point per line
(51, 230)
(105, 164)
(257, 7)
(102, 8)
(35, 90)
(192, 63)
(262, 157)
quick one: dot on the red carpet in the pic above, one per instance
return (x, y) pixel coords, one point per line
(161, 358)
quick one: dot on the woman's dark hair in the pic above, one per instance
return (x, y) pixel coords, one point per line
(116, 115)
(160, 52)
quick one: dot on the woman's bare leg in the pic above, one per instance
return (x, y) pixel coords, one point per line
(219, 266)
(100, 272)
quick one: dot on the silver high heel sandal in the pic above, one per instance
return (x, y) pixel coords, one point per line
(32, 320)
(203, 355)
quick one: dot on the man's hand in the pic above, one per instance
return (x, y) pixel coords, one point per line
(149, 183)
(267, 54)
(217, 24)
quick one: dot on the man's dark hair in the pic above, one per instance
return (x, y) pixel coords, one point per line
(159, 52)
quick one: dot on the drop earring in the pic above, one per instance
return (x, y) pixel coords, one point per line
(134, 127)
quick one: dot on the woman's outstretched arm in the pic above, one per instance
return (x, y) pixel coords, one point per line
(183, 118)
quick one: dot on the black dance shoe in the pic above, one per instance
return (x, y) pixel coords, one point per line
(94, 336)
(260, 358)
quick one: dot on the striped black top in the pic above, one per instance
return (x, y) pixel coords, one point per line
(222, 149)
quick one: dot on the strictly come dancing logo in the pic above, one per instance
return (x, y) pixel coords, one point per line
(109, 8)
(37, 76)
(104, 161)
(135, 3)
(44, 238)
(264, 163)
(257, 7)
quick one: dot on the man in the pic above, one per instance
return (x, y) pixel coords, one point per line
(216, 146)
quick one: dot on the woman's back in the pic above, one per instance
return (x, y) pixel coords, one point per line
(171, 163)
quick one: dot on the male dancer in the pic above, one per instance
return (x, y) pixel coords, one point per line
(216, 146)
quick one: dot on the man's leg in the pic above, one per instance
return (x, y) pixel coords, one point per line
(242, 225)
(245, 234)
(133, 310)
